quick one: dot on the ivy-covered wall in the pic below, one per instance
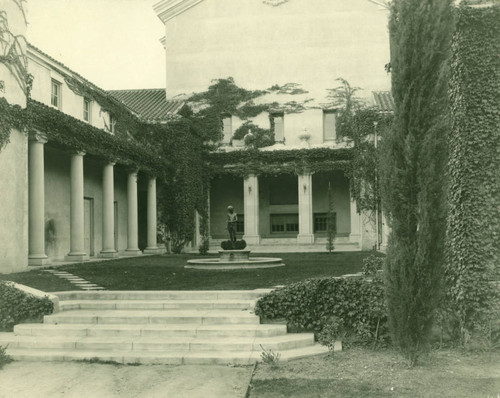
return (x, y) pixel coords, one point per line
(473, 241)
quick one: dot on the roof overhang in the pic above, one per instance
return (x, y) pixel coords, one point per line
(168, 9)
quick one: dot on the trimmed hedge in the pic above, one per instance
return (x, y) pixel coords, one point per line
(356, 304)
(17, 306)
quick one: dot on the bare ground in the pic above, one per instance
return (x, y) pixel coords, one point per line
(81, 380)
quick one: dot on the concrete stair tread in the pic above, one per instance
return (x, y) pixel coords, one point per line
(163, 294)
(143, 313)
(159, 357)
(155, 304)
(11, 337)
(165, 330)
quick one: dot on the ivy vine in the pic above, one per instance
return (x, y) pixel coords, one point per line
(473, 231)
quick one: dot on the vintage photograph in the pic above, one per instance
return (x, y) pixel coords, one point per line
(249, 198)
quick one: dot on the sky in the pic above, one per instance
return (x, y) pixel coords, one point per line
(113, 43)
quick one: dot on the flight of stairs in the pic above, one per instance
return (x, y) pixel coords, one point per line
(156, 327)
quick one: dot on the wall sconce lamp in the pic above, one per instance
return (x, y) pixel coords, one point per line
(249, 189)
(305, 188)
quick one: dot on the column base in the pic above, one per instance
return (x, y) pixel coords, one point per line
(77, 257)
(132, 252)
(152, 250)
(305, 239)
(108, 254)
(38, 260)
(354, 238)
(252, 239)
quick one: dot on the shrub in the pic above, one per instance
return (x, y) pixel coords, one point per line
(238, 245)
(355, 304)
(372, 264)
(17, 306)
(4, 358)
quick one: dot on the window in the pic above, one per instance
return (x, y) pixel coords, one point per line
(284, 223)
(112, 122)
(55, 98)
(321, 221)
(329, 128)
(87, 108)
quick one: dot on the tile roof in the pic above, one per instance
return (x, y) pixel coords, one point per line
(384, 100)
(149, 104)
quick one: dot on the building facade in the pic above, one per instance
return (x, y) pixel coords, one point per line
(294, 52)
(59, 201)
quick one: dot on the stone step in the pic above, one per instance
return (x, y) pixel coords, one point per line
(148, 343)
(159, 331)
(160, 357)
(111, 304)
(164, 295)
(202, 317)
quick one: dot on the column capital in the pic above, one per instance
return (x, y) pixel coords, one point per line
(78, 153)
(132, 170)
(38, 137)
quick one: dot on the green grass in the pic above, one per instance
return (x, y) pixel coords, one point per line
(167, 272)
(39, 279)
(381, 373)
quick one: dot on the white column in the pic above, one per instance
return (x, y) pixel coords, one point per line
(77, 232)
(108, 212)
(197, 235)
(305, 235)
(251, 209)
(132, 216)
(36, 195)
(152, 247)
(355, 234)
(385, 233)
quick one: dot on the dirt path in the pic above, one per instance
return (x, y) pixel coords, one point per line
(82, 380)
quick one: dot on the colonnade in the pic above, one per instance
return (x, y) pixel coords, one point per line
(305, 208)
(36, 211)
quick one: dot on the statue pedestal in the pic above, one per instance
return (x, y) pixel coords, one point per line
(234, 255)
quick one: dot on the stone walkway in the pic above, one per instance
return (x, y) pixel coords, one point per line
(75, 280)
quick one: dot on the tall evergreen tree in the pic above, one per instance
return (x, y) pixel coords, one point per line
(413, 167)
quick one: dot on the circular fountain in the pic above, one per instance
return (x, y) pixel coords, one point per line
(235, 259)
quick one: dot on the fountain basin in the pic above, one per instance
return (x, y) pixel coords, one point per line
(235, 259)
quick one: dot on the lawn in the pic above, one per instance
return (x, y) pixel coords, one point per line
(370, 373)
(167, 272)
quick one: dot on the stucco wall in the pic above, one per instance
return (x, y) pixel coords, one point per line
(311, 42)
(43, 71)
(58, 201)
(224, 191)
(341, 204)
(14, 208)
(13, 165)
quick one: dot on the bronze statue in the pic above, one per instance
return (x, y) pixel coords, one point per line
(232, 218)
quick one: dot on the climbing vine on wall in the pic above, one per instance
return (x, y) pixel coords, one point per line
(13, 58)
(298, 161)
(473, 232)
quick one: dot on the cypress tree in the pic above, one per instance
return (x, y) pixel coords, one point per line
(413, 168)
